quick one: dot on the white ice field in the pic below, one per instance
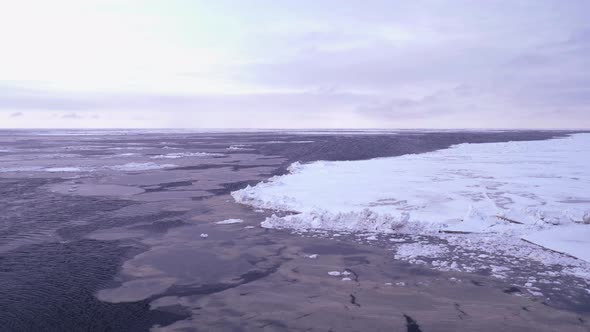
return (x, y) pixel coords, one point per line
(533, 190)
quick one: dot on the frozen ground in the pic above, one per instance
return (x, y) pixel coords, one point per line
(538, 191)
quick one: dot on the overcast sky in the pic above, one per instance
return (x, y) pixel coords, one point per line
(295, 64)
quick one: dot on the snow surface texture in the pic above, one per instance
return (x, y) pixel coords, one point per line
(229, 221)
(43, 169)
(239, 147)
(124, 167)
(536, 190)
(140, 166)
(186, 154)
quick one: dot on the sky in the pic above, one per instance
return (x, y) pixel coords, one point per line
(294, 64)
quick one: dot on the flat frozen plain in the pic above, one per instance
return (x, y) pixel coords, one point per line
(534, 190)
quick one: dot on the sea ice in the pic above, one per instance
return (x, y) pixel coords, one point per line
(140, 166)
(62, 169)
(239, 147)
(43, 169)
(573, 240)
(530, 189)
(229, 221)
(177, 155)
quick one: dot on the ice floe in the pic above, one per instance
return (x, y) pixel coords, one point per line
(44, 169)
(63, 169)
(177, 155)
(229, 221)
(237, 147)
(140, 166)
(21, 169)
(535, 190)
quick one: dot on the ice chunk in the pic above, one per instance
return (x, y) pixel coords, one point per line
(177, 155)
(140, 166)
(63, 169)
(570, 239)
(229, 221)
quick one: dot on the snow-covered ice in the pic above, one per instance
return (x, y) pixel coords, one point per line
(229, 221)
(573, 240)
(21, 169)
(177, 155)
(420, 249)
(536, 190)
(44, 169)
(140, 166)
(62, 169)
(240, 147)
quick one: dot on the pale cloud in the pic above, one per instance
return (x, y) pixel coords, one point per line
(305, 63)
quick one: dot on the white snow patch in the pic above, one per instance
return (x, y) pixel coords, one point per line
(63, 169)
(140, 166)
(396, 240)
(524, 189)
(573, 240)
(43, 169)
(204, 236)
(237, 147)
(334, 273)
(177, 155)
(229, 221)
(21, 169)
(411, 250)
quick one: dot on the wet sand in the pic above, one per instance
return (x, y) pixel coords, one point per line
(101, 248)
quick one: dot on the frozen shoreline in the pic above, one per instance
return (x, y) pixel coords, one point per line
(535, 190)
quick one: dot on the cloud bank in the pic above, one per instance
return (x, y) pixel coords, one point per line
(392, 64)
